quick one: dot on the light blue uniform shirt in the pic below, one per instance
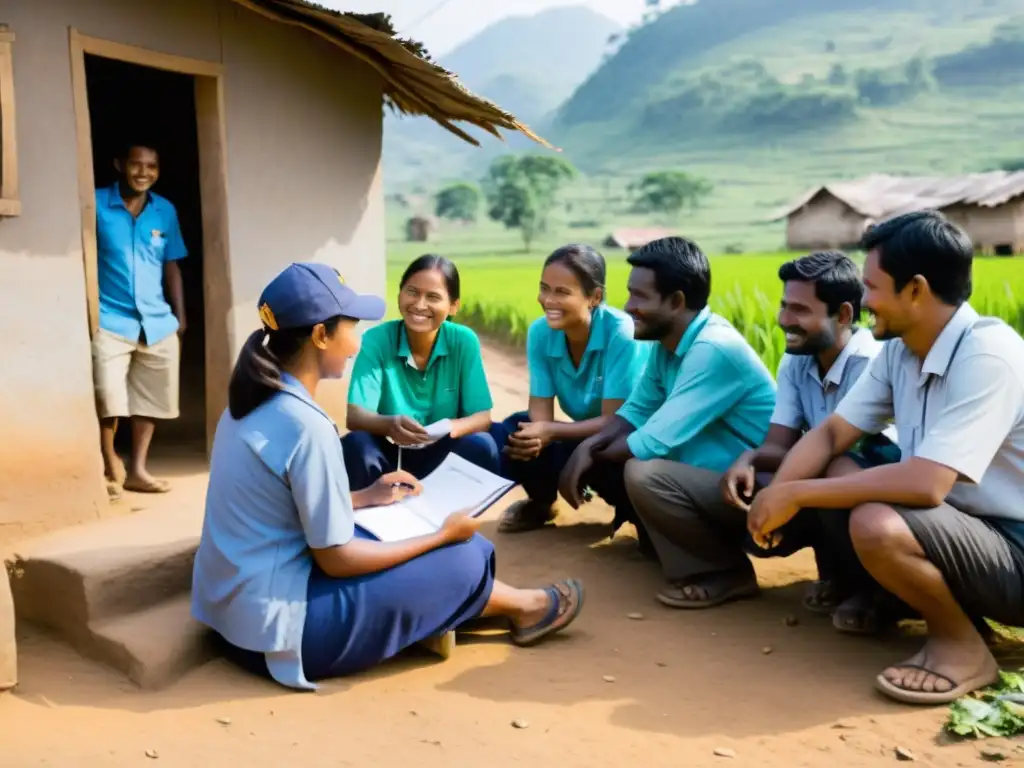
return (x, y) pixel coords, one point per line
(131, 254)
(704, 404)
(804, 400)
(278, 487)
(610, 367)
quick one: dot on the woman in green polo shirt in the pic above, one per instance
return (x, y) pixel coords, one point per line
(415, 372)
(582, 354)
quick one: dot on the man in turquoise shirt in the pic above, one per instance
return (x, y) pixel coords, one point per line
(135, 351)
(704, 399)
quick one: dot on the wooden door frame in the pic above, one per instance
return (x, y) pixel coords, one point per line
(213, 190)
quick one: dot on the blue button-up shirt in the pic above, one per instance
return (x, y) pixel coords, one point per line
(703, 404)
(277, 488)
(132, 253)
(610, 367)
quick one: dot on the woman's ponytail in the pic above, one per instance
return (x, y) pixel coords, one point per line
(256, 378)
(257, 374)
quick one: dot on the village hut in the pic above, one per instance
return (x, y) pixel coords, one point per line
(632, 238)
(418, 229)
(989, 206)
(268, 116)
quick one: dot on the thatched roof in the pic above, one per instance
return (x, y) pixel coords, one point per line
(881, 195)
(413, 84)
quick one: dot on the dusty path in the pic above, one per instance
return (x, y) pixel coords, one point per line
(685, 684)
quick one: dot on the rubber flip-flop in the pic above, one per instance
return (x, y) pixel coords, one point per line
(674, 596)
(566, 603)
(931, 698)
(524, 516)
(820, 598)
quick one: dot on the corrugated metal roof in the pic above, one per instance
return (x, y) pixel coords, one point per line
(881, 195)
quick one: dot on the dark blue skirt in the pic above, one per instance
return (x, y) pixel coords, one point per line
(356, 623)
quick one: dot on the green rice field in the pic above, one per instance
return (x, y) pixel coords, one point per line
(500, 292)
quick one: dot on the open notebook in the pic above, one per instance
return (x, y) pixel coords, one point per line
(455, 486)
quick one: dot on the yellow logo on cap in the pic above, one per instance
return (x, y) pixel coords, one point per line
(341, 279)
(268, 317)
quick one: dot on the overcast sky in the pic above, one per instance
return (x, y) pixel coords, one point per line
(443, 24)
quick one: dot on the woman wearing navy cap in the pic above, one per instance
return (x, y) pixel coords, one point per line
(282, 574)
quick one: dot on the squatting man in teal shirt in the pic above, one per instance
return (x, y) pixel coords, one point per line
(704, 398)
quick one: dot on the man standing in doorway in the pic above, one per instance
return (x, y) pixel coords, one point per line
(142, 313)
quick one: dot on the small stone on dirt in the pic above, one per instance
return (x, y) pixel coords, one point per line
(904, 754)
(635, 616)
(224, 720)
(152, 754)
(766, 650)
(520, 724)
(791, 620)
(725, 752)
(661, 663)
(844, 725)
(992, 755)
(609, 678)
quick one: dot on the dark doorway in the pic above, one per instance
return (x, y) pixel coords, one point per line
(128, 102)
(1004, 249)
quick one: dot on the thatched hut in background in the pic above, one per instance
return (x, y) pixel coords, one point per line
(418, 229)
(989, 206)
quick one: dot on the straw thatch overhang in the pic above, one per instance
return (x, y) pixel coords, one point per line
(413, 84)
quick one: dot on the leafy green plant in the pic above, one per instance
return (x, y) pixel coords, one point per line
(996, 711)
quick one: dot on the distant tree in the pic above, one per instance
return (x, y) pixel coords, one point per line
(458, 202)
(669, 192)
(522, 189)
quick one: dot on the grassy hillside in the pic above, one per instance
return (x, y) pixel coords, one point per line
(767, 97)
(528, 64)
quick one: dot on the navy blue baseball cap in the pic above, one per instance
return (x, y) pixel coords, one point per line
(306, 294)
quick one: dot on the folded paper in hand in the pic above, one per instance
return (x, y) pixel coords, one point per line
(434, 431)
(455, 486)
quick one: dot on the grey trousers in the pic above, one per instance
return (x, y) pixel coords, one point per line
(694, 531)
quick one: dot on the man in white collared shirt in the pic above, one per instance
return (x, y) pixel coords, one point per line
(697, 518)
(943, 529)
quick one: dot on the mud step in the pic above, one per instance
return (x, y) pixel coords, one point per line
(80, 576)
(153, 647)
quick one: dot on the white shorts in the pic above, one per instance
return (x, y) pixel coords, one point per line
(134, 379)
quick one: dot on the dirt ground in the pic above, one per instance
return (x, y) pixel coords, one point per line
(668, 689)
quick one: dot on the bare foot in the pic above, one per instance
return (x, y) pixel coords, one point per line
(115, 471)
(941, 671)
(143, 482)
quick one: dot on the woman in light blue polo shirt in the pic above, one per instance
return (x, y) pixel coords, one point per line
(580, 353)
(282, 574)
(414, 372)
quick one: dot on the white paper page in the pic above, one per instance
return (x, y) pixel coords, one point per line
(393, 523)
(439, 429)
(455, 486)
